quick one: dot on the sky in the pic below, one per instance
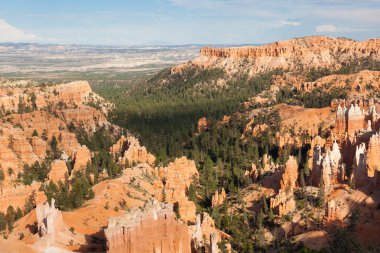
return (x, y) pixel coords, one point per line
(127, 22)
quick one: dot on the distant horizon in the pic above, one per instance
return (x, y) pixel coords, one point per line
(173, 45)
(129, 45)
(185, 22)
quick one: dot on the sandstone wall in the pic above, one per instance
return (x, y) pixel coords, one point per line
(153, 229)
(318, 50)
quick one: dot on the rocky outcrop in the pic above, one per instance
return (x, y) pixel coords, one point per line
(40, 124)
(340, 205)
(128, 149)
(363, 84)
(151, 229)
(53, 232)
(299, 82)
(26, 138)
(38, 97)
(283, 203)
(355, 119)
(205, 234)
(266, 166)
(346, 154)
(39, 147)
(74, 92)
(305, 46)
(119, 147)
(314, 157)
(359, 173)
(341, 122)
(301, 120)
(218, 199)
(317, 166)
(49, 220)
(59, 171)
(310, 52)
(174, 182)
(373, 155)
(290, 175)
(82, 157)
(85, 117)
(213, 244)
(330, 168)
(17, 195)
(202, 125)
(332, 211)
(335, 158)
(326, 173)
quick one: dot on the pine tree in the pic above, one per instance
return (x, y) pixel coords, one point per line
(321, 196)
(30, 203)
(35, 133)
(3, 223)
(54, 147)
(163, 193)
(1, 174)
(207, 170)
(10, 217)
(260, 218)
(302, 179)
(18, 213)
(265, 206)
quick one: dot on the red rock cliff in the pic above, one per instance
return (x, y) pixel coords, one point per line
(308, 52)
(299, 46)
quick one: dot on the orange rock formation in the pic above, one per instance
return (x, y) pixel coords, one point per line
(290, 175)
(81, 158)
(153, 229)
(284, 202)
(173, 184)
(129, 149)
(59, 171)
(202, 125)
(218, 199)
(311, 52)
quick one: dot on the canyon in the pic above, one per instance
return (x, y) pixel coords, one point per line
(46, 129)
(292, 174)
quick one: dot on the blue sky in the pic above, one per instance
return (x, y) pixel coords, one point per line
(184, 21)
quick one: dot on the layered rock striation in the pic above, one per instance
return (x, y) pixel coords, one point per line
(151, 229)
(310, 52)
(284, 203)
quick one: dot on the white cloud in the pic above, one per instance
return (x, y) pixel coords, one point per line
(326, 29)
(290, 23)
(208, 4)
(9, 33)
(335, 29)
